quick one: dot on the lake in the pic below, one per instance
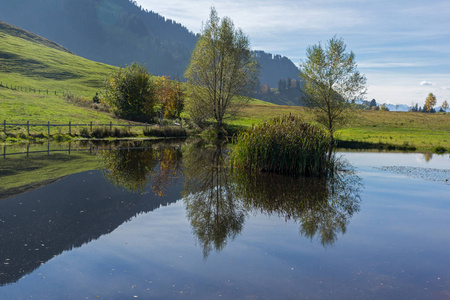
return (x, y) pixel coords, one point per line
(145, 220)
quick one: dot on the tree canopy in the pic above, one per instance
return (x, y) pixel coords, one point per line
(430, 102)
(331, 82)
(222, 71)
(131, 93)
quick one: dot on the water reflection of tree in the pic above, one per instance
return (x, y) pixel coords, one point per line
(134, 166)
(170, 167)
(213, 209)
(323, 207)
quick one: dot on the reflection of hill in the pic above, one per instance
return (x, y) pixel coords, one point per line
(69, 213)
(19, 175)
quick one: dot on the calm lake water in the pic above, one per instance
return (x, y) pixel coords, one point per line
(169, 221)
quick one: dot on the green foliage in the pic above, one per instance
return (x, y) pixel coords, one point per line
(127, 169)
(222, 67)
(102, 132)
(285, 145)
(165, 131)
(330, 82)
(131, 93)
(171, 97)
(444, 105)
(439, 150)
(429, 102)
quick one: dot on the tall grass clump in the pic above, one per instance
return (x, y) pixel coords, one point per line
(284, 145)
(165, 131)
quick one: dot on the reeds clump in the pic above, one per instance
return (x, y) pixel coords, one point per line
(165, 131)
(284, 145)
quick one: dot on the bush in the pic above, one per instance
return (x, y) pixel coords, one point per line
(439, 150)
(84, 132)
(285, 145)
(102, 132)
(165, 131)
(131, 93)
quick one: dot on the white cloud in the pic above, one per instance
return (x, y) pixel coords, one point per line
(397, 46)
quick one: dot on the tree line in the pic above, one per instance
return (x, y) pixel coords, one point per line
(428, 107)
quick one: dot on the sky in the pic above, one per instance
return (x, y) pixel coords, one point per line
(402, 47)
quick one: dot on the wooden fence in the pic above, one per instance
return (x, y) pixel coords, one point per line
(33, 90)
(90, 125)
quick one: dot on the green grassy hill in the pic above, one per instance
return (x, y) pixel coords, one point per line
(32, 69)
(29, 61)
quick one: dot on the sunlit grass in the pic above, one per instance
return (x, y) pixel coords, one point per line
(423, 131)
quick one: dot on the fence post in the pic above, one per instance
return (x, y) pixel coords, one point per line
(110, 126)
(129, 126)
(91, 126)
(48, 129)
(70, 130)
(28, 127)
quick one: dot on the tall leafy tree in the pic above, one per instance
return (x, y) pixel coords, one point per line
(222, 71)
(430, 102)
(331, 82)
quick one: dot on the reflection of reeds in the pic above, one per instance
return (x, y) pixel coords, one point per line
(322, 206)
(285, 145)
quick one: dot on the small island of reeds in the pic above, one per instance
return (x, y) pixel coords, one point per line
(284, 145)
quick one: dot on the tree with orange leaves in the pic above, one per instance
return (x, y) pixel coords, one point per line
(171, 97)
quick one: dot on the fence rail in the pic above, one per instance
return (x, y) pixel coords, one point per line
(69, 149)
(33, 90)
(91, 125)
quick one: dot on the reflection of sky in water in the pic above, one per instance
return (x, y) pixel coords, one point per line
(396, 247)
(381, 159)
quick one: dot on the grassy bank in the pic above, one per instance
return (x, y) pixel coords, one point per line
(370, 129)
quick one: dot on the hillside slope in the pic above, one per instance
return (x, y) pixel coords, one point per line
(119, 32)
(30, 61)
(30, 65)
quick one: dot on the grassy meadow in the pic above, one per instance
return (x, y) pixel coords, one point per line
(31, 62)
(378, 128)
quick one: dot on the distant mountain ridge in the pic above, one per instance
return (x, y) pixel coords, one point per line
(119, 32)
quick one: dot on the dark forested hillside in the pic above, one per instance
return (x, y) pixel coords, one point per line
(119, 32)
(116, 32)
(275, 68)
